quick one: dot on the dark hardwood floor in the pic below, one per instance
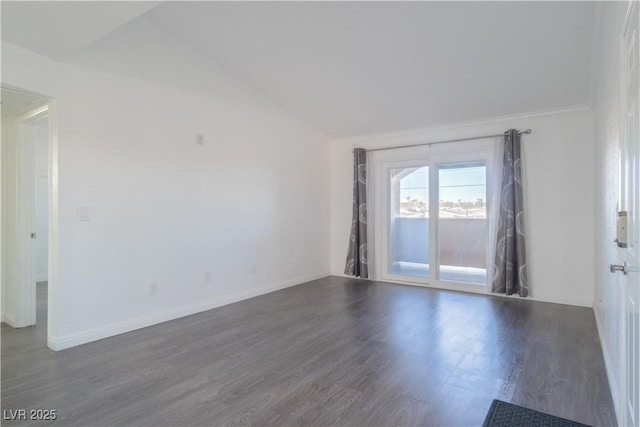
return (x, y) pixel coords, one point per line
(335, 351)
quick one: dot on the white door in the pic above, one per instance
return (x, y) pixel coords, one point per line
(18, 233)
(631, 280)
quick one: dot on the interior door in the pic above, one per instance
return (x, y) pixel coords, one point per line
(631, 256)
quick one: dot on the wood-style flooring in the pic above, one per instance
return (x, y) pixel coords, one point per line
(334, 351)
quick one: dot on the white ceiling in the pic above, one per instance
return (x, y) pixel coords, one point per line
(61, 29)
(354, 68)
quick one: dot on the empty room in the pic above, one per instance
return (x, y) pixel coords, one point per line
(296, 213)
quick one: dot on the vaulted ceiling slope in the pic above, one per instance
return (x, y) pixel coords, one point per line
(357, 68)
(62, 29)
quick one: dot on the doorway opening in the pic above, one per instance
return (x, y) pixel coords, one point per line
(26, 211)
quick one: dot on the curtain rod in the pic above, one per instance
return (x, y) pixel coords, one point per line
(447, 141)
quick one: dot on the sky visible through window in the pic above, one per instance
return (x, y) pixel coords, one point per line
(462, 191)
(463, 183)
(467, 184)
(415, 186)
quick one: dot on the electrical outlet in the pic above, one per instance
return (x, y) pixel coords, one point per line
(208, 276)
(254, 269)
(153, 288)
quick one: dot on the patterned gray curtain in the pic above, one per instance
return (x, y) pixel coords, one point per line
(357, 255)
(510, 270)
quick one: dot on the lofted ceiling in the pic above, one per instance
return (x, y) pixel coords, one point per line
(61, 29)
(354, 68)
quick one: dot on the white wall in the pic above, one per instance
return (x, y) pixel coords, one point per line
(8, 218)
(559, 195)
(41, 200)
(164, 209)
(607, 100)
(3, 275)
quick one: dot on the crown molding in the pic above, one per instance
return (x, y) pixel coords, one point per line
(419, 132)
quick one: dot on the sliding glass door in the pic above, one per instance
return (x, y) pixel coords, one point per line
(408, 220)
(434, 219)
(462, 223)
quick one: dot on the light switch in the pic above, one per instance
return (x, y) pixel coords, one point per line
(83, 213)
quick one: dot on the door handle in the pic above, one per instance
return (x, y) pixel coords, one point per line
(617, 267)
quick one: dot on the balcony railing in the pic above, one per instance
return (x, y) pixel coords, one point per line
(462, 246)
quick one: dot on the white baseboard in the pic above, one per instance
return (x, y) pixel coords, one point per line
(9, 319)
(63, 342)
(555, 299)
(613, 383)
(561, 299)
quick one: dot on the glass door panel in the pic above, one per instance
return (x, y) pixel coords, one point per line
(408, 221)
(462, 223)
